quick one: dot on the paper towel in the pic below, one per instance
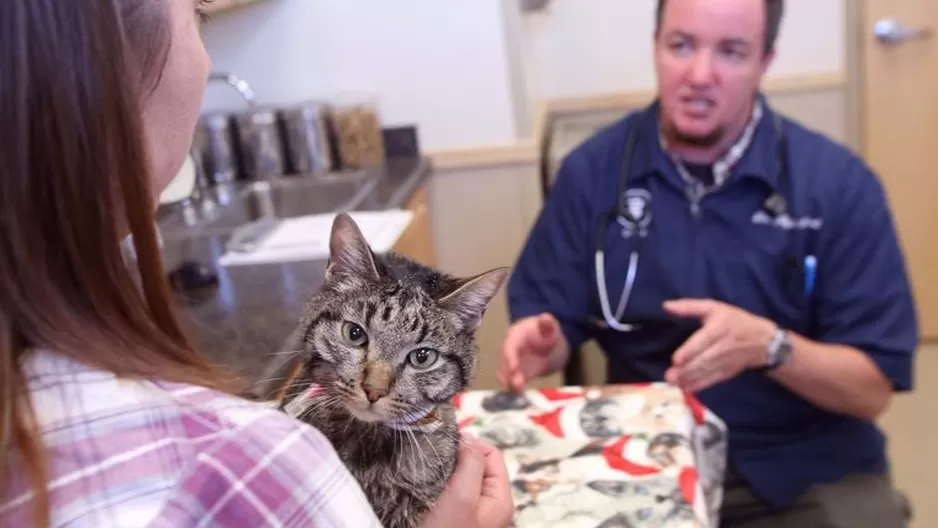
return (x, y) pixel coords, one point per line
(307, 237)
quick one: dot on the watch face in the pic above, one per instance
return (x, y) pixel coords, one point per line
(784, 351)
(779, 350)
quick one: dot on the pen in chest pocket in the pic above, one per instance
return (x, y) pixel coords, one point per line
(810, 271)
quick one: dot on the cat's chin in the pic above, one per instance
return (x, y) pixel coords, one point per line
(366, 415)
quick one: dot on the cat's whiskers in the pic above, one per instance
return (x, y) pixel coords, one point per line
(416, 444)
(321, 402)
(399, 444)
(291, 386)
(435, 471)
(315, 405)
(452, 436)
(400, 408)
(437, 453)
(285, 402)
(312, 407)
(459, 439)
(271, 380)
(285, 353)
(282, 388)
(348, 425)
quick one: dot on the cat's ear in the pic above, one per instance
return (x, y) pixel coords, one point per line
(469, 301)
(350, 259)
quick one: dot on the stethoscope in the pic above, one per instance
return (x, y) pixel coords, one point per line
(636, 220)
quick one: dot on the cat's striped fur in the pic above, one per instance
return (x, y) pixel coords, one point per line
(404, 334)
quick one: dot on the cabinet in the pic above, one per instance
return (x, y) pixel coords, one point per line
(481, 218)
(416, 241)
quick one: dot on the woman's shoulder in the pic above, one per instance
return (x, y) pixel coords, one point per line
(186, 452)
(68, 394)
(261, 468)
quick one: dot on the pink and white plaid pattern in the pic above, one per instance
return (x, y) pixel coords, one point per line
(125, 453)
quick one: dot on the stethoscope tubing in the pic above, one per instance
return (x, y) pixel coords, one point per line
(613, 321)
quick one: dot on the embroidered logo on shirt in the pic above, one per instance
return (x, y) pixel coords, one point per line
(636, 209)
(786, 222)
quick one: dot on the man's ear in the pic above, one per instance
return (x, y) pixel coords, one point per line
(767, 59)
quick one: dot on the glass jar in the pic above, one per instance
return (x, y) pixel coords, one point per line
(261, 143)
(358, 134)
(307, 138)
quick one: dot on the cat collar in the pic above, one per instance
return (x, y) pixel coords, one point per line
(422, 421)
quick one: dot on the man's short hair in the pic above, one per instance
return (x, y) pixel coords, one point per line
(773, 20)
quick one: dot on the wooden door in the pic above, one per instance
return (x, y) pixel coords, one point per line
(899, 120)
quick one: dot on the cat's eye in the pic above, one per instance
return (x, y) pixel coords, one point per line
(354, 335)
(423, 358)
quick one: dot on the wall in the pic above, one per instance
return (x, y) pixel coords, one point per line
(583, 47)
(474, 79)
(520, 55)
(470, 74)
(464, 204)
(465, 201)
(443, 65)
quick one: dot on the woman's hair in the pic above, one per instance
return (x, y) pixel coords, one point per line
(74, 181)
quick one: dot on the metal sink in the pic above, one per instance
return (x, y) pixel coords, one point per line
(246, 203)
(188, 218)
(288, 198)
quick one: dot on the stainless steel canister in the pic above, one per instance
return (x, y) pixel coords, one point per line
(216, 141)
(261, 143)
(307, 138)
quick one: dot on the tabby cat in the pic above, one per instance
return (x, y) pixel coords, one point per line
(386, 344)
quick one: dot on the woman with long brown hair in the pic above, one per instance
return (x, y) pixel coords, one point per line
(107, 415)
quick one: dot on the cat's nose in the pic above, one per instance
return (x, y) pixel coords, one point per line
(374, 393)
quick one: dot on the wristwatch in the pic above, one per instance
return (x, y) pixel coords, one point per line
(779, 351)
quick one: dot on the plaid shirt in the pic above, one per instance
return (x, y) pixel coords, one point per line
(129, 454)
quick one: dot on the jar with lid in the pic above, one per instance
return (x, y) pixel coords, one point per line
(358, 133)
(261, 143)
(306, 135)
(215, 140)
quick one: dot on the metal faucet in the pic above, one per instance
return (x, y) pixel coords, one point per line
(200, 203)
(221, 193)
(258, 138)
(239, 84)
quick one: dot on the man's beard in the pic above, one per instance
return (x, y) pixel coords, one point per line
(675, 137)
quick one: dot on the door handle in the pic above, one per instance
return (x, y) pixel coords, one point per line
(891, 31)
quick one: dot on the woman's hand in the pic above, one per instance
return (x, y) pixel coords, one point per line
(478, 491)
(496, 507)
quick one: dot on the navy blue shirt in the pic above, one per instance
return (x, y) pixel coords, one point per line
(730, 248)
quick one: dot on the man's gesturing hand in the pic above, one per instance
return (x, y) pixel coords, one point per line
(529, 351)
(729, 341)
